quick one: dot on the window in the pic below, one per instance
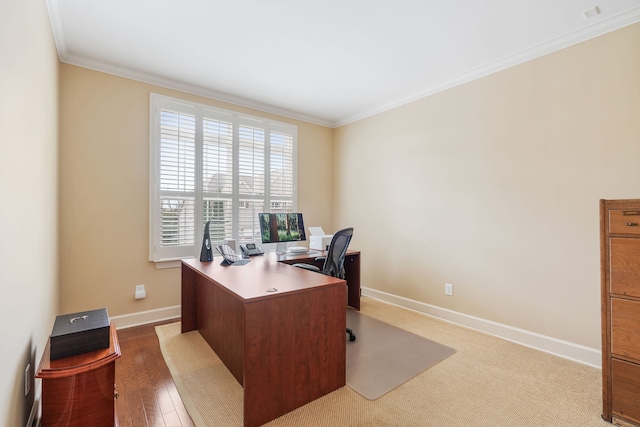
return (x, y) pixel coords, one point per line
(209, 164)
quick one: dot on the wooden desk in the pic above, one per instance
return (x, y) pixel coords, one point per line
(285, 347)
(80, 390)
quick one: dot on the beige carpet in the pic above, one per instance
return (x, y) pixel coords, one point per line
(487, 382)
(384, 356)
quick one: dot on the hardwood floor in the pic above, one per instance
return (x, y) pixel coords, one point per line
(147, 393)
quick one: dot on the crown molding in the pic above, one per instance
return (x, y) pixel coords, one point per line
(56, 18)
(597, 29)
(190, 88)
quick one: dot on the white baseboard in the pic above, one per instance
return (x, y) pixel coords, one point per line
(578, 353)
(586, 355)
(143, 317)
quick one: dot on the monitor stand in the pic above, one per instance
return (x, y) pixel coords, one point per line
(281, 248)
(297, 249)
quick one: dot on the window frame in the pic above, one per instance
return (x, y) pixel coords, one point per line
(165, 256)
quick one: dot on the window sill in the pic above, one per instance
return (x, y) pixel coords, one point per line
(162, 264)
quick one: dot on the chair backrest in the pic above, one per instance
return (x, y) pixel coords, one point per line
(334, 263)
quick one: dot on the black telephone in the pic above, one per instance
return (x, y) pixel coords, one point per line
(250, 249)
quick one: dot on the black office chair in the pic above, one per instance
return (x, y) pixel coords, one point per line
(334, 261)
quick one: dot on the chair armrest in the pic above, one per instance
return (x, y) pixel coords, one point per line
(321, 259)
(308, 267)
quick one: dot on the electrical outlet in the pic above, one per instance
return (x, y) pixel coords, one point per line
(140, 292)
(27, 379)
(448, 289)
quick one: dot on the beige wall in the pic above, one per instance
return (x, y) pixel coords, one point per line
(494, 189)
(493, 186)
(104, 192)
(28, 198)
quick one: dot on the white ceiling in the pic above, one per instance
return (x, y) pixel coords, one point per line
(328, 62)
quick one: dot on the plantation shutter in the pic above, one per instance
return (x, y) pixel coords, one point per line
(217, 177)
(281, 187)
(177, 179)
(251, 178)
(208, 164)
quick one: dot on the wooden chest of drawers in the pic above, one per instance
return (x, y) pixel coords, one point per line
(620, 289)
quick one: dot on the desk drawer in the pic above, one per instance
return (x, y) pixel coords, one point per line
(625, 328)
(625, 266)
(624, 221)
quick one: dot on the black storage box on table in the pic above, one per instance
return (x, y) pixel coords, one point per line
(79, 333)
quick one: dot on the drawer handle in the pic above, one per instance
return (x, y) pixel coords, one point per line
(632, 224)
(630, 213)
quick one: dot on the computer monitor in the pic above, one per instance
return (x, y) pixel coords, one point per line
(281, 227)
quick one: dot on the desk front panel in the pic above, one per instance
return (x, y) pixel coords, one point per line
(295, 351)
(221, 322)
(218, 314)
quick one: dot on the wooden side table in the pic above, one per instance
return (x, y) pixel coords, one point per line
(80, 390)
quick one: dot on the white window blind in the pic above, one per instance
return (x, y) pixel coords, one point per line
(209, 164)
